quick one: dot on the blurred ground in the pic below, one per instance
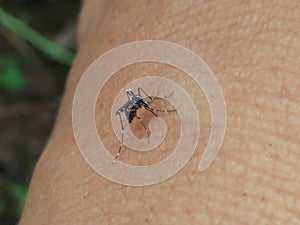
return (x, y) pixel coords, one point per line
(30, 100)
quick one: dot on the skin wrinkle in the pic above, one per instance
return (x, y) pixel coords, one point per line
(240, 42)
(279, 129)
(233, 203)
(267, 141)
(278, 123)
(266, 174)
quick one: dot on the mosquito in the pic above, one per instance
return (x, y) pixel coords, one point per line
(130, 108)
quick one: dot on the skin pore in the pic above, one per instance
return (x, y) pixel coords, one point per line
(253, 48)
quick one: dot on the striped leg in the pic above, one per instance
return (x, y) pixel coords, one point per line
(162, 110)
(122, 138)
(152, 99)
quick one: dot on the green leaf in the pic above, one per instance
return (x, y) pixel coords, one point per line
(21, 29)
(19, 193)
(11, 76)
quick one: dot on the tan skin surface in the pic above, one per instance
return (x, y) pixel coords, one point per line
(253, 47)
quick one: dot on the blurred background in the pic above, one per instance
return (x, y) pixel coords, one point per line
(37, 46)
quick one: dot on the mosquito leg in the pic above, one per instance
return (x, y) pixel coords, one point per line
(142, 90)
(142, 122)
(122, 138)
(151, 110)
(162, 110)
(129, 95)
(153, 98)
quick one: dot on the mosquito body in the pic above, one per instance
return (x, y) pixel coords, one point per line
(130, 109)
(134, 103)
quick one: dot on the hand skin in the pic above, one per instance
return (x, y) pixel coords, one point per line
(253, 47)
